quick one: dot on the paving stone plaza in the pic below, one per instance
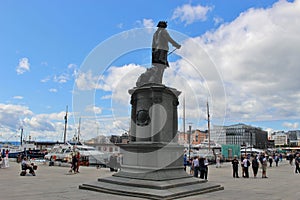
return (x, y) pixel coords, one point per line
(55, 183)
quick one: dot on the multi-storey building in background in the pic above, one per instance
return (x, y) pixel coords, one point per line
(294, 137)
(194, 138)
(241, 134)
(280, 138)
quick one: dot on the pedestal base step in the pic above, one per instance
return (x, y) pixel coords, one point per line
(162, 190)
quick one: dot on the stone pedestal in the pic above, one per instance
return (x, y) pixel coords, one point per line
(153, 113)
(152, 164)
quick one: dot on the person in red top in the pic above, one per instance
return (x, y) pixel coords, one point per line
(6, 153)
(78, 162)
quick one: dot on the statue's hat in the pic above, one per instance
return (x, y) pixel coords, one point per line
(162, 24)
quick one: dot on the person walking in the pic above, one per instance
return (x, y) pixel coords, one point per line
(276, 160)
(255, 166)
(206, 168)
(291, 158)
(184, 162)
(218, 161)
(270, 160)
(264, 166)
(196, 166)
(201, 167)
(246, 164)
(242, 165)
(235, 167)
(280, 157)
(191, 165)
(297, 162)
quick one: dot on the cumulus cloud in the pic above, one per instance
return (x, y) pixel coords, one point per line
(93, 109)
(218, 20)
(257, 56)
(23, 66)
(11, 115)
(290, 125)
(120, 79)
(190, 14)
(38, 126)
(254, 58)
(244, 69)
(87, 81)
(148, 23)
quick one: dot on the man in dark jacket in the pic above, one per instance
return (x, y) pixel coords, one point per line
(235, 167)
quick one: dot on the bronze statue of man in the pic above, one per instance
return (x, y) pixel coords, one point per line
(160, 48)
(160, 45)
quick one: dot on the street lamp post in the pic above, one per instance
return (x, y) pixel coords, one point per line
(251, 141)
(189, 140)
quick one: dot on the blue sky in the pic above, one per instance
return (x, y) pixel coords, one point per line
(244, 53)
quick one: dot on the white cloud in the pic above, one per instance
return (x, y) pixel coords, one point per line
(45, 80)
(72, 66)
(249, 60)
(190, 14)
(87, 81)
(38, 126)
(11, 115)
(18, 97)
(53, 90)
(63, 78)
(23, 66)
(218, 20)
(93, 109)
(120, 79)
(257, 56)
(148, 23)
(290, 125)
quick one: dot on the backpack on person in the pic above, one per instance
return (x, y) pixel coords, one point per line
(248, 163)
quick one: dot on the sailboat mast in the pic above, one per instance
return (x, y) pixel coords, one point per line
(21, 136)
(79, 129)
(208, 126)
(66, 122)
(183, 115)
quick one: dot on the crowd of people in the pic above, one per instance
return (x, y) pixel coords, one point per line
(246, 163)
(4, 162)
(198, 166)
(254, 162)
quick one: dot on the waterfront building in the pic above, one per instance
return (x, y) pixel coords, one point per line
(241, 134)
(280, 138)
(294, 137)
(196, 137)
(218, 134)
(102, 143)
